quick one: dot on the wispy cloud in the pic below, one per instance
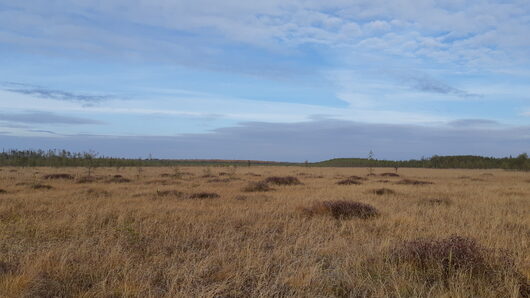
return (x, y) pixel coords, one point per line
(474, 123)
(52, 94)
(45, 118)
(425, 83)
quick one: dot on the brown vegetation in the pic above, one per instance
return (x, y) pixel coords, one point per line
(287, 180)
(59, 176)
(383, 191)
(389, 175)
(413, 182)
(257, 186)
(146, 239)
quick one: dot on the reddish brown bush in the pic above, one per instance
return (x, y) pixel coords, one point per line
(59, 176)
(413, 182)
(204, 195)
(118, 179)
(169, 193)
(257, 186)
(342, 209)
(383, 191)
(287, 180)
(447, 257)
(349, 181)
(41, 186)
(389, 175)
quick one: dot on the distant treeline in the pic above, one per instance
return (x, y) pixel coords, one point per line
(63, 158)
(520, 162)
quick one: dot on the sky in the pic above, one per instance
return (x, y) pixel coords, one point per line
(289, 80)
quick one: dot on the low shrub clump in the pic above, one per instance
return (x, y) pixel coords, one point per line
(3, 191)
(204, 195)
(257, 186)
(287, 180)
(86, 179)
(41, 186)
(58, 176)
(349, 181)
(169, 193)
(342, 209)
(413, 182)
(383, 191)
(445, 258)
(389, 175)
(118, 179)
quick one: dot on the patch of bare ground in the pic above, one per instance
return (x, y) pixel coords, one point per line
(259, 186)
(285, 180)
(341, 209)
(413, 182)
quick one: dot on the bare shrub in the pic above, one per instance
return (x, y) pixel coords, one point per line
(413, 182)
(41, 186)
(257, 186)
(342, 209)
(456, 254)
(383, 191)
(286, 180)
(389, 175)
(58, 176)
(349, 181)
(118, 179)
(204, 195)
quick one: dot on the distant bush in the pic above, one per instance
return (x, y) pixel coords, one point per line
(41, 186)
(118, 179)
(389, 175)
(350, 181)
(257, 186)
(287, 180)
(342, 209)
(58, 176)
(169, 193)
(204, 195)
(413, 182)
(383, 191)
(3, 191)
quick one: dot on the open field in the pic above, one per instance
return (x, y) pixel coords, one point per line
(205, 232)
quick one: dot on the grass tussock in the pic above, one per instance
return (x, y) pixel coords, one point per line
(413, 182)
(41, 186)
(3, 191)
(443, 259)
(383, 191)
(118, 179)
(342, 209)
(389, 175)
(58, 176)
(204, 195)
(283, 180)
(349, 181)
(260, 186)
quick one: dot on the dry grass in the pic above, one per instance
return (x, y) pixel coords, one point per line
(341, 209)
(413, 182)
(149, 238)
(59, 176)
(287, 180)
(383, 191)
(257, 186)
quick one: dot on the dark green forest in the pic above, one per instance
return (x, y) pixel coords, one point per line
(63, 158)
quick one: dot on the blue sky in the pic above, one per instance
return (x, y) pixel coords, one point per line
(279, 80)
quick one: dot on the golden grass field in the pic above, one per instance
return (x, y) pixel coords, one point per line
(149, 238)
